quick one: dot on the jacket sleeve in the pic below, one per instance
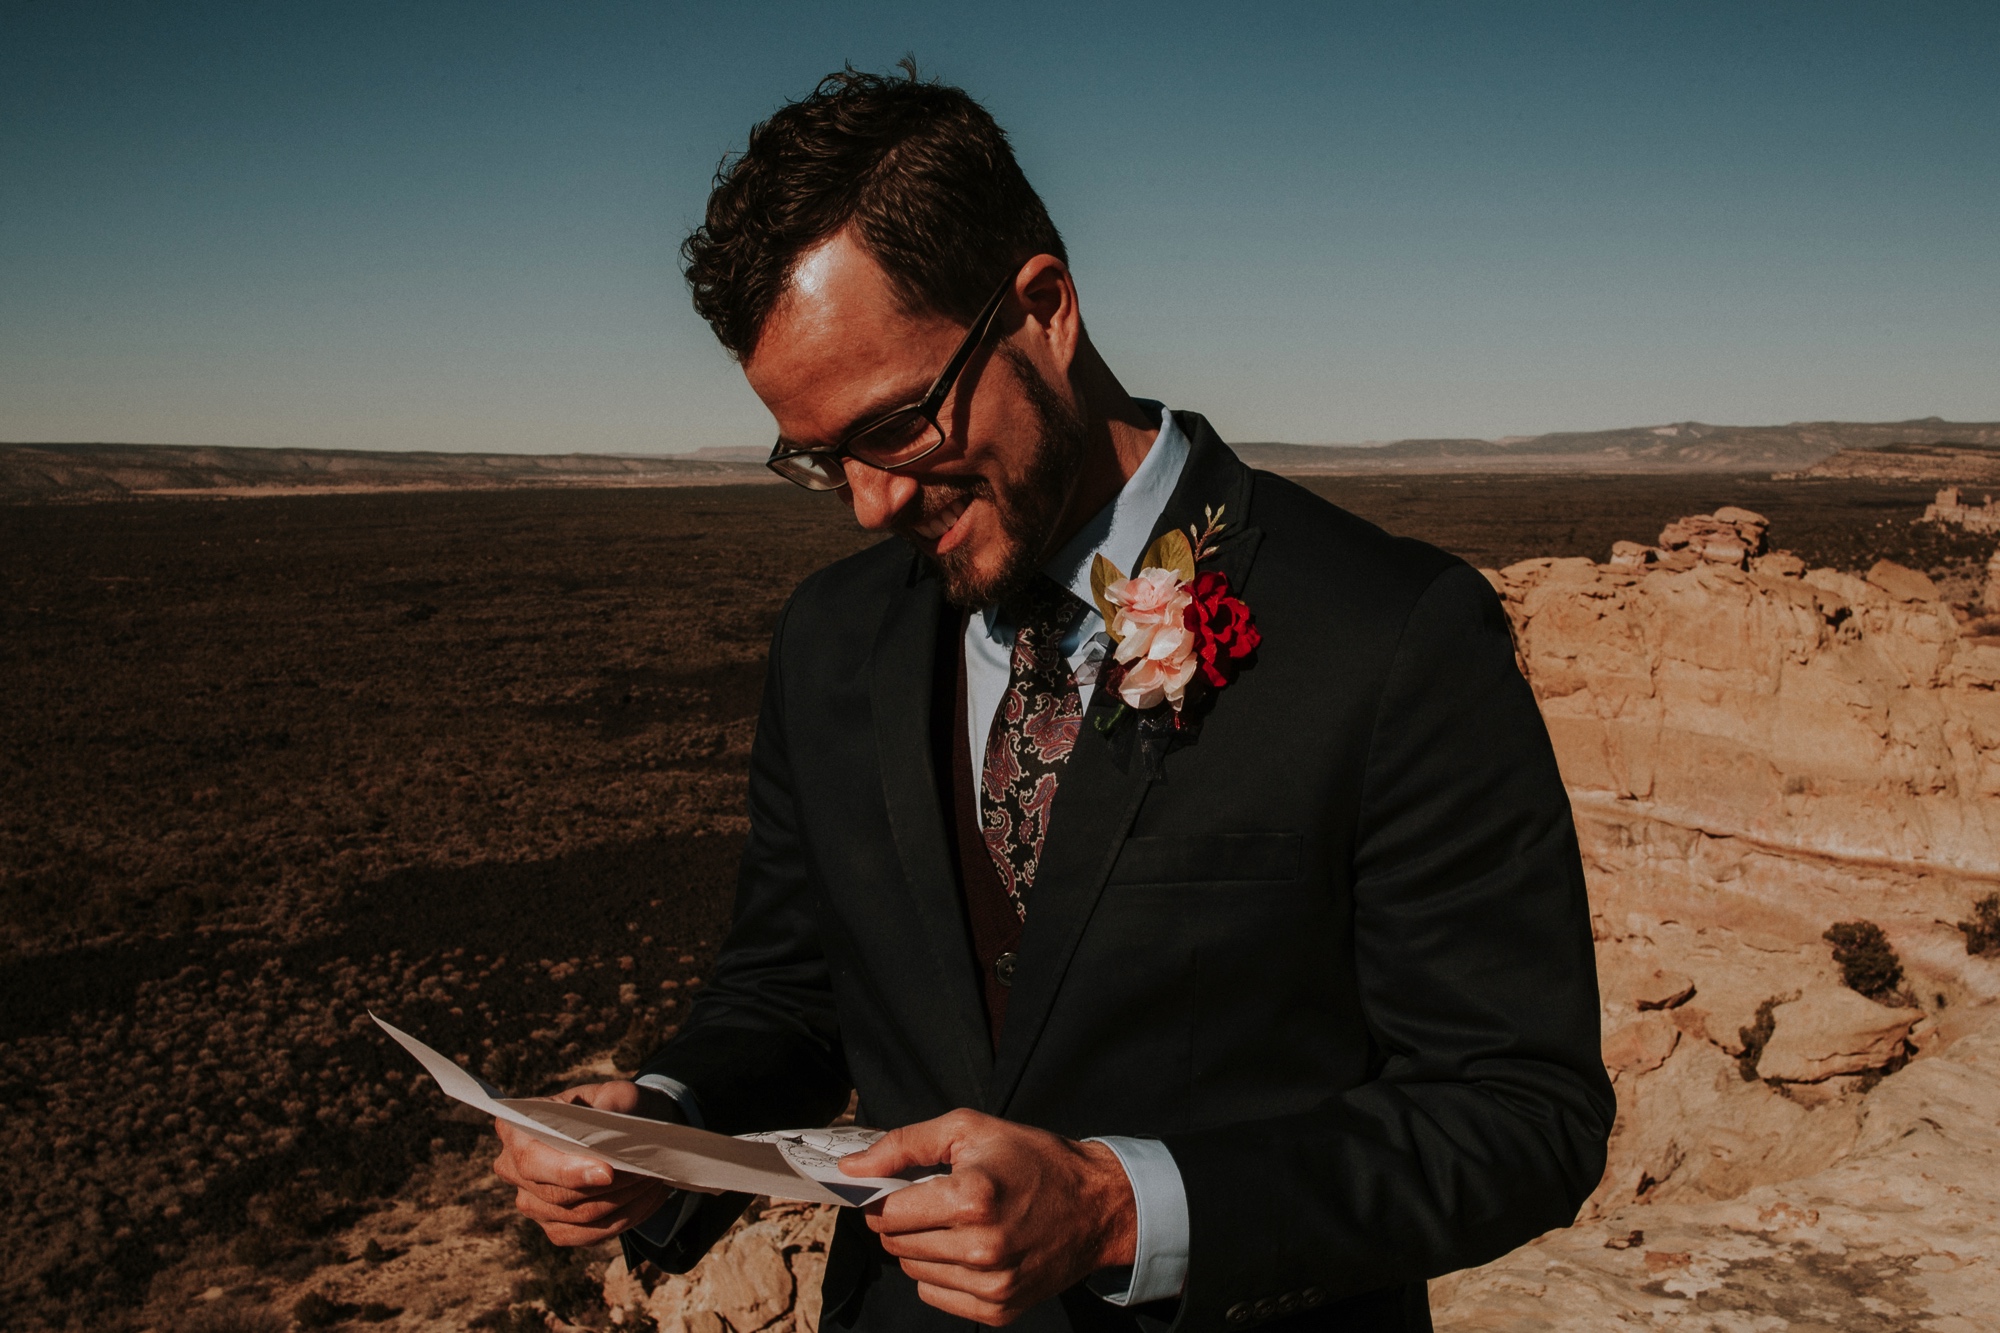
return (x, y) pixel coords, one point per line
(761, 1048)
(1486, 1124)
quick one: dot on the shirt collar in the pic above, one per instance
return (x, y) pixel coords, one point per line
(1118, 532)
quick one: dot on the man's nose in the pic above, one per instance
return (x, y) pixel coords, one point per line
(877, 496)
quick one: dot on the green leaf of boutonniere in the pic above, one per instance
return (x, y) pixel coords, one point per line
(1102, 575)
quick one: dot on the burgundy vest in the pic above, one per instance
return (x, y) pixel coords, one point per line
(994, 928)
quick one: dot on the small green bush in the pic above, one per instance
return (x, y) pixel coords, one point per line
(1867, 963)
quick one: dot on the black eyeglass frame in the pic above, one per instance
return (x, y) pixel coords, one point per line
(926, 407)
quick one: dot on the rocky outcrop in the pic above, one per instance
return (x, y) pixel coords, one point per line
(765, 1273)
(1892, 1234)
(1948, 508)
(1756, 751)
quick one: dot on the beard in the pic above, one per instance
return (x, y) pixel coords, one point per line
(1028, 510)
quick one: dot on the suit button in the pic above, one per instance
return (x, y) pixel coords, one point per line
(1288, 1302)
(1239, 1313)
(1003, 969)
(1314, 1295)
(1265, 1308)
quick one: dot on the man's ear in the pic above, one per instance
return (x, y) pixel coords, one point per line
(1052, 323)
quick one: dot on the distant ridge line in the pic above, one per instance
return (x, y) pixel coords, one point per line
(71, 472)
(107, 471)
(1683, 446)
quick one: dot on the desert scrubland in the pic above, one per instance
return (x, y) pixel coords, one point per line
(475, 761)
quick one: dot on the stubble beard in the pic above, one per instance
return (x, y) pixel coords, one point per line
(1029, 511)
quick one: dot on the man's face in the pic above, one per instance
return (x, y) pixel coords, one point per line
(840, 349)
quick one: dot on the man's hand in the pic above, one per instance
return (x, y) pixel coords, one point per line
(579, 1200)
(1023, 1215)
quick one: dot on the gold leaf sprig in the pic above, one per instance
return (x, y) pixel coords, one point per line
(1204, 545)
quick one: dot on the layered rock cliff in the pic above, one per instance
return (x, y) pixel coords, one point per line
(1757, 752)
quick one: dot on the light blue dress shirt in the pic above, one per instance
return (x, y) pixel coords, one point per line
(1119, 532)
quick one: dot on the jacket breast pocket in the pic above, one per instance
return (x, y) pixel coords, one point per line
(1208, 857)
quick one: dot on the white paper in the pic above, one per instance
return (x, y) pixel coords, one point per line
(800, 1164)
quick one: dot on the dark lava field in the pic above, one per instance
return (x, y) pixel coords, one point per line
(473, 760)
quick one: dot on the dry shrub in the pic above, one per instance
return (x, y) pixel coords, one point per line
(641, 1039)
(1867, 964)
(317, 1310)
(231, 1319)
(1755, 1038)
(558, 1276)
(1982, 933)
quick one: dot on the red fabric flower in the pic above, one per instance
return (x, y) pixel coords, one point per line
(1224, 633)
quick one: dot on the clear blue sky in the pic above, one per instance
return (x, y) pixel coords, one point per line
(436, 225)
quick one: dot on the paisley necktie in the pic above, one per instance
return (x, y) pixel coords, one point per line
(1033, 732)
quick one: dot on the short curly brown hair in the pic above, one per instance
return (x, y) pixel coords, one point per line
(921, 172)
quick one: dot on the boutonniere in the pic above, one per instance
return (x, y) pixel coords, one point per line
(1177, 633)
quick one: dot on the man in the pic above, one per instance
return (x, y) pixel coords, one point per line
(1285, 1001)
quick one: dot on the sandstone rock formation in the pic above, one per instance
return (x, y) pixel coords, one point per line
(765, 1272)
(1729, 536)
(1756, 751)
(1973, 518)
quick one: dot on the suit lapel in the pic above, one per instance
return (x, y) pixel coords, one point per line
(1105, 781)
(902, 675)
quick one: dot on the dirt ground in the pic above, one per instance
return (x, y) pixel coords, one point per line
(474, 761)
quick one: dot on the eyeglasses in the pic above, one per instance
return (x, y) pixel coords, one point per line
(897, 439)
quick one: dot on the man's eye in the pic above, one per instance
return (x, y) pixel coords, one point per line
(902, 434)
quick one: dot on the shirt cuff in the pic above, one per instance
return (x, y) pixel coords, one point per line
(682, 1094)
(1160, 1254)
(660, 1229)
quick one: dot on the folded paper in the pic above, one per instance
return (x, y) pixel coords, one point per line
(799, 1164)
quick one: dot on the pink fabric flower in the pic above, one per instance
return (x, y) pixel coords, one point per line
(1155, 646)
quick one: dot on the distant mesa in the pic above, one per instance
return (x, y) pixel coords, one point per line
(1971, 457)
(730, 453)
(81, 472)
(1798, 449)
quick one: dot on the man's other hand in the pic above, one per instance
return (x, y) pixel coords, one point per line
(580, 1200)
(1023, 1215)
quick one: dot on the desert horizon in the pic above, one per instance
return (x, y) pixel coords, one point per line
(1956, 450)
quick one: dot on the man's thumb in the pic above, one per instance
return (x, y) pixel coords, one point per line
(926, 1143)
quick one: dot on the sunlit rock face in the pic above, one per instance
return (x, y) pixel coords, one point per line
(1755, 752)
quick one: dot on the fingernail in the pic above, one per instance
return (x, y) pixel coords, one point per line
(597, 1175)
